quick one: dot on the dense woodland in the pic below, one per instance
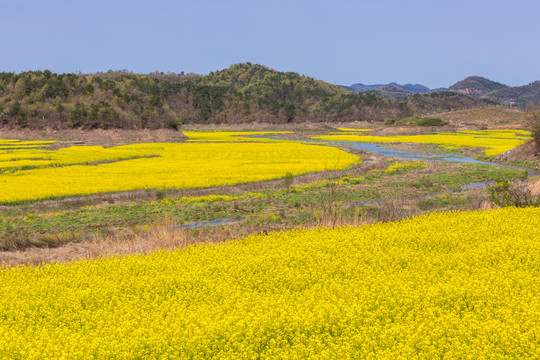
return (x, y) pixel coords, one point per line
(243, 93)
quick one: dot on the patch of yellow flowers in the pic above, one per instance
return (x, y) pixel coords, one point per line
(231, 136)
(21, 159)
(15, 143)
(180, 165)
(353, 129)
(453, 285)
(495, 141)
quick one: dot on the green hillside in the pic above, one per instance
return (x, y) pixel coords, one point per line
(477, 84)
(482, 88)
(243, 93)
(519, 95)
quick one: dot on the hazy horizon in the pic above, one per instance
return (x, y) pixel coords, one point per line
(432, 43)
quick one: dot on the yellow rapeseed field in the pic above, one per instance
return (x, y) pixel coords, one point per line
(231, 136)
(17, 159)
(352, 129)
(19, 143)
(15, 145)
(495, 141)
(443, 285)
(181, 165)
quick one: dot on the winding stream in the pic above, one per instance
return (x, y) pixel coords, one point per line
(378, 148)
(403, 154)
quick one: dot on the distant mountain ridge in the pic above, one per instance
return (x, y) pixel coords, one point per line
(477, 87)
(414, 88)
(391, 90)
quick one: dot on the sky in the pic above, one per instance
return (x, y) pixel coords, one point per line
(431, 42)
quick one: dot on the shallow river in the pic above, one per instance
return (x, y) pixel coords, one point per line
(403, 154)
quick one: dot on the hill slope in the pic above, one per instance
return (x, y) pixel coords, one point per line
(519, 95)
(242, 93)
(476, 86)
(483, 88)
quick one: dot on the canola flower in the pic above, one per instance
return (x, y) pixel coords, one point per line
(39, 158)
(18, 143)
(352, 129)
(453, 285)
(231, 136)
(495, 141)
(404, 166)
(179, 166)
(10, 145)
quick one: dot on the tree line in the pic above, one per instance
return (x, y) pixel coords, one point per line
(243, 93)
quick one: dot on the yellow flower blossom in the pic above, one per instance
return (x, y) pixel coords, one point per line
(444, 285)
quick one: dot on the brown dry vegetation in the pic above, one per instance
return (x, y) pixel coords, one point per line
(527, 155)
(488, 117)
(125, 242)
(534, 186)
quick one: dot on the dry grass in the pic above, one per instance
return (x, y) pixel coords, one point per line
(410, 130)
(489, 117)
(534, 186)
(526, 153)
(358, 218)
(128, 241)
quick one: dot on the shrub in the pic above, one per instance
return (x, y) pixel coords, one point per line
(505, 193)
(288, 179)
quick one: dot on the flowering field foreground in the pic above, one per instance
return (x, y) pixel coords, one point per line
(495, 141)
(157, 165)
(456, 285)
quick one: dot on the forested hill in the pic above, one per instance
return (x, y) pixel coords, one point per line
(482, 88)
(240, 94)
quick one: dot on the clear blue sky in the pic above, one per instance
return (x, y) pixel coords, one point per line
(432, 42)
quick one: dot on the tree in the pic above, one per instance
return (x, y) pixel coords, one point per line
(18, 113)
(17, 110)
(60, 108)
(78, 114)
(290, 111)
(3, 114)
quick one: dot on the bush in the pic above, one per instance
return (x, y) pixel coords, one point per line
(419, 121)
(288, 179)
(505, 193)
(415, 121)
(172, 123)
